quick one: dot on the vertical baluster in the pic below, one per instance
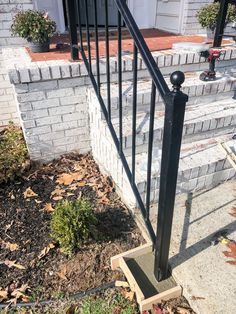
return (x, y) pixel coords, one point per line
(150, 148)
(120, 81)
(70, 6)
(97, 45)
(135, 78)
(80, 27)
(108, 61)
(88, 36)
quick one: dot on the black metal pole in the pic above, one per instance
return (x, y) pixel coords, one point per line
(173, 127)
(72, 25)
(220, 25)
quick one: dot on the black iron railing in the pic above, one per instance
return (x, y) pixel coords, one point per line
(174, 100)
(221, 22)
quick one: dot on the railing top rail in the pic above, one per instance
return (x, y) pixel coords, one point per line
(139, 41)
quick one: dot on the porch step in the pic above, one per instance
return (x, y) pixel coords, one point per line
(202, 165)
(200, 93)
(201, 122)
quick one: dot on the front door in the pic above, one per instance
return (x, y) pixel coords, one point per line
(112, 12)
(55, 11)
(144, 12)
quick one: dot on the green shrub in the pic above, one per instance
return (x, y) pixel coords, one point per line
(13, 153)
(35, 26)
(73, 222)
(208, 15)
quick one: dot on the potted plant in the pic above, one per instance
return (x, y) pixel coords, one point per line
(207, 16)
(36, 27)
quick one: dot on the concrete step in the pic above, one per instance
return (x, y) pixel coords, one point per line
(200, 93)
(201, 122)
(203, 165)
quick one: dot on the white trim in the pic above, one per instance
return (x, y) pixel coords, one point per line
(181, 16)
(61, 27)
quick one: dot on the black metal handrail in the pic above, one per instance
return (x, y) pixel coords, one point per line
(174, 100)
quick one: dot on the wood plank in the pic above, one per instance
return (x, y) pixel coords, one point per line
(143, 249)
(146, 305)
(131, 280)
(229, 154)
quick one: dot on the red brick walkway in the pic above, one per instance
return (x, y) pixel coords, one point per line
(155, 39)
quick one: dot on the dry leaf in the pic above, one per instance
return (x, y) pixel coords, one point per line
(68, 178)
(120, 283)
(65, 179)
(9, 246)
(232, 253)
(72, 309)
(62, 273)
(13, 264)
(48, 208)
(129, 295)
(38, 202)
(3, 295)
(57, 198)
(29, 193)
(233, 211)
(45, 251)
(182, 310)
(20, 294)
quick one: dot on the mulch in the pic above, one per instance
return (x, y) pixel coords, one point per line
(36, 262)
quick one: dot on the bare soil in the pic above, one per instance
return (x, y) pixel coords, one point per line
(25, 223)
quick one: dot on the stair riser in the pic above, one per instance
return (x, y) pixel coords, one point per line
(191, 132)
(184, 185)
(143, 101)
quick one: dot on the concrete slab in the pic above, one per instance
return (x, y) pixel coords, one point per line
(208, 282)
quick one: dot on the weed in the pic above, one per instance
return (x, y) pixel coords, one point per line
(73, 222)
(13, 152)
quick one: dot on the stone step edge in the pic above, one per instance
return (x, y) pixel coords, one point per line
(22, 70)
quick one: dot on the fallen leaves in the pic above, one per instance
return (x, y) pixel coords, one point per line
(45, 251)
(231, 253)
(29, 193)
(13, 296)
(62, 274)
(11, 264)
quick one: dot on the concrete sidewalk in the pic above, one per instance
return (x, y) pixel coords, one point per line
(209, 283)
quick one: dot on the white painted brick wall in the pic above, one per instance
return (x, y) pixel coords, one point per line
(190, 23)
(54, 117)
(8, 8)
(8, 109)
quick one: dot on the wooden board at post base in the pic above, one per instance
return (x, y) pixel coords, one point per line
(138, 267)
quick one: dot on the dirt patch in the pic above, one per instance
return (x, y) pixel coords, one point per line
(25, 230)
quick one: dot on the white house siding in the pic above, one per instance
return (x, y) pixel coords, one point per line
(8, 8)
(168, 16)
(190, 25)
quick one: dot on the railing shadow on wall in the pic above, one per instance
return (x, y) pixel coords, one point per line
(174, 100)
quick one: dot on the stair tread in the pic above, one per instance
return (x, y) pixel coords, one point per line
(194, 114)
(144, 85)
(200, 153)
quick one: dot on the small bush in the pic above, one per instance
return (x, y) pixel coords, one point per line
(208, 15)
(73, 222)
(13, 153)
(35, 26)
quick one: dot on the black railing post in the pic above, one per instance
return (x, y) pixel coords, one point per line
(173, 127)
(72, 25)
(220, 25)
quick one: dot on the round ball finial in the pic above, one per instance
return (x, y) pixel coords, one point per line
(177, 78)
